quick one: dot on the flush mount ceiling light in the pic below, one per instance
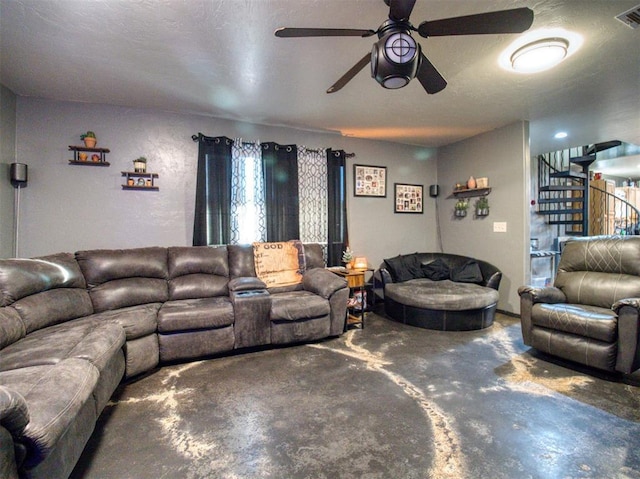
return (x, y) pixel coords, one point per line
(545, 48)
(539, 55)
(560, 135)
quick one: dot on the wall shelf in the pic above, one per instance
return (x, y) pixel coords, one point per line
(139, 181)
(101, 152)
(470, 192)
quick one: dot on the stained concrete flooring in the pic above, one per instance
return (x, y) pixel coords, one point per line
(389, 401)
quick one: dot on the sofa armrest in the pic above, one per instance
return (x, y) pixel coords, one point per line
(322, 282)
(246, 283)
(628, 356)
(549, 294)
(383, 276)
(14, 414)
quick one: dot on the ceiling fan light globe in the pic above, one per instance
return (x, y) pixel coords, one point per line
(395, 82)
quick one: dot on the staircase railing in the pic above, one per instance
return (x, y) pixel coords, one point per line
(612, 214)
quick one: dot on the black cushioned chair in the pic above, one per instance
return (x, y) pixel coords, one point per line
(591, 314)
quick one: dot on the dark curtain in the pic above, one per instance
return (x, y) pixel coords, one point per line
(213, 191)
(338, 237)
(280, 169)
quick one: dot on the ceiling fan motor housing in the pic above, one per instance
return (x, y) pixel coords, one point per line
(395, 57)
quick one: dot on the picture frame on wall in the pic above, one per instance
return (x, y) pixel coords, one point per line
(408, 198)
(369, 180)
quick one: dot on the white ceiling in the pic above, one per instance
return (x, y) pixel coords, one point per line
(221, 58)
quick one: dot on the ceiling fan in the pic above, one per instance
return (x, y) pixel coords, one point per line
(396, 58)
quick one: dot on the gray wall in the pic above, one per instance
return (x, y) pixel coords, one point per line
(7, 156)
(501, 155)
(68, 208)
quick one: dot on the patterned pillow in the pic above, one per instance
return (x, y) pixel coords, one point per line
(279, 263)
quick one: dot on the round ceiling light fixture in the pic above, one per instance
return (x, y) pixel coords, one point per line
(539, 55)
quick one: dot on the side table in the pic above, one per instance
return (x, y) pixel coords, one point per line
(357, 296)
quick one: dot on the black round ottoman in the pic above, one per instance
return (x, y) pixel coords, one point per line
(442, 305)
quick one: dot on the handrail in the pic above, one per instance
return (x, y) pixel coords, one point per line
(626, 218)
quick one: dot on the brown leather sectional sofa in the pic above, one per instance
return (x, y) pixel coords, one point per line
(73, 326)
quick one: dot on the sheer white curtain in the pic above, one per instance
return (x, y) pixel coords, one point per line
(313, 193)
(247, 193)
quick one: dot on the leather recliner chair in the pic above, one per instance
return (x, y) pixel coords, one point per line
(591, 315)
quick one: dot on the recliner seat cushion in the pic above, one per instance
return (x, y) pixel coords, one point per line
(296, 305)
(82, 338)
(137, 321)
(192, 314)
(55, 395)
(582, 320)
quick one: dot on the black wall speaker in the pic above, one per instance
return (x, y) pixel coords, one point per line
(19, 174)
(434, 190)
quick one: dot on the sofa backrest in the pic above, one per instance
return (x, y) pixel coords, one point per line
(40, 292)
(410, 266)
(600, 270)
(125, 277)
(241, 259)
(197, 271)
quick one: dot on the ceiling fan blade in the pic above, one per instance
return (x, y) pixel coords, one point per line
(516, 20)
(429, 77)
(322, 32)
(346, 78)
(400, 9)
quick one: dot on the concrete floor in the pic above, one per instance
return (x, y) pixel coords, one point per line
(389, 401)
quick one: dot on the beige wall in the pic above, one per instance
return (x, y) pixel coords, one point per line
(501, 155)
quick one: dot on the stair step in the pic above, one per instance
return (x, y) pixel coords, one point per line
(568, 174)
(561, 212)
(583, 160)
(565, 222)
(605, 145)
(561, 200)
(562, 188)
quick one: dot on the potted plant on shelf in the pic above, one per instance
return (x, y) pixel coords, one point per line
(140, 165)
(89, 139)
(460, 209)
(482, 206)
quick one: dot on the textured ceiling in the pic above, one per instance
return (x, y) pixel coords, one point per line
(221, 58)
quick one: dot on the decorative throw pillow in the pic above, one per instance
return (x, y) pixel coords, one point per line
(279, 264)
(413, 266)
(436, 270)
(398, 269)
(468, 272)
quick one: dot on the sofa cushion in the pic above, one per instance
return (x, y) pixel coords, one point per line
(436, 270)
(582, 320)
(467, 272)
(279, 264)
(197, 272)
(11, 326)
(52, 307)
(55, 394)
(296, 305)
(190, 314)
(400, 268)
(441, 295)
(137, 321)
(23, 277)
(81, 338)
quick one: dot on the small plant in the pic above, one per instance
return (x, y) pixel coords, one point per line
(483, 205)
(347, 255)
(88, 134)
(461, 207)
(140, 165)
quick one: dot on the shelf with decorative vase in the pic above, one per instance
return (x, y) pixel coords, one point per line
(139, 181)
(81, 156)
